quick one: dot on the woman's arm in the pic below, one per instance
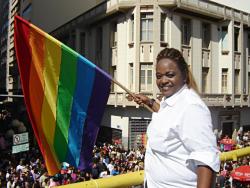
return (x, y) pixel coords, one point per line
(204, 176)
(155, 106)
(151, 103)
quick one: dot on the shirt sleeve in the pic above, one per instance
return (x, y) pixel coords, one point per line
(196, 134)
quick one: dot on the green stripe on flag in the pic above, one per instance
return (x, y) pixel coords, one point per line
(66, 89)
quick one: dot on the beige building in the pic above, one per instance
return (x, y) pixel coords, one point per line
(4, 21)
(9, 75)
(123, 37)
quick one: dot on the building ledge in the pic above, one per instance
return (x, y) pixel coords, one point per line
(217, 100)
(208, 9)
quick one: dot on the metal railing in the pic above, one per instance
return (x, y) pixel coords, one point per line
(136, 178)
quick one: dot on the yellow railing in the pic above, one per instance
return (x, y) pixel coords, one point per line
(136, 178)
(235, 154)
(122, 181)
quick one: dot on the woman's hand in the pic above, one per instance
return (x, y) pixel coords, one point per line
(144, 100)
(141, 99)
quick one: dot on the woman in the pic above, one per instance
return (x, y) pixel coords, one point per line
(181, 148)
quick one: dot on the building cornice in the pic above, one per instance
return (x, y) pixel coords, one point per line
(211, 10)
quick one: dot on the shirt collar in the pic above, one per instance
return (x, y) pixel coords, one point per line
(170, 101)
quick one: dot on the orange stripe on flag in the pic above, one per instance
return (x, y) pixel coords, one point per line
(36, 89)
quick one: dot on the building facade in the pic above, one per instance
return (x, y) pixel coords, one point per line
(4, 5)
(4, 21)
(123, 37)
(10, 82)
(127, 35)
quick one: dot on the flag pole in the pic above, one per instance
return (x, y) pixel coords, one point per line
(130, 93)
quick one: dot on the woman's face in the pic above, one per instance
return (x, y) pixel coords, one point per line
(169, 78)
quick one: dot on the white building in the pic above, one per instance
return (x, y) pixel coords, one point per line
(9, 83)
(124, 37)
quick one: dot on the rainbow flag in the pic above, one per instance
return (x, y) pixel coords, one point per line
(65, 96)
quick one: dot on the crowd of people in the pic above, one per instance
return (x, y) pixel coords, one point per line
(27, 169)
(224, 177)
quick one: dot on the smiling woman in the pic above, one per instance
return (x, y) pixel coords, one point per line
(175, 62)
(181, 147)
(169, 78)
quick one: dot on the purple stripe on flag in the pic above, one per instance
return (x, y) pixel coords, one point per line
(98, 101)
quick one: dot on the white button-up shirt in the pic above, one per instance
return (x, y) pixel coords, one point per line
(180, 137)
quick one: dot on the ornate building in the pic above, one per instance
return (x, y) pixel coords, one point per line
(123, 37)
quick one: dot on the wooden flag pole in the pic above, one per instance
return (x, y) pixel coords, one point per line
(130, 93)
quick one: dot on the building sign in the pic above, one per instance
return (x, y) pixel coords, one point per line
(20, 138)
(20, 148)
(20, 142)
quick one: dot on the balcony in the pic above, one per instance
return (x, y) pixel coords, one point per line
(218, 100)
(119, 99)
(146, 52)
(122, 99)
(115, 5)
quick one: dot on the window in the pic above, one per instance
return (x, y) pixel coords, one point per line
(163, 30)
(65, 40)
(73, 40)
(224, 40)
(113, 35)
(249, 82)
(131, 75)
(114, 75)
(186, 31)
(99, 39)
(146, 77)
(146, 26)
(82, 43)
(237, 81)
(19, 85)
(248, 43)
(224, 81)
(206, 35)
(132, 28)
(98, 45)
(205, 80)
(27, 11)
(236, 39)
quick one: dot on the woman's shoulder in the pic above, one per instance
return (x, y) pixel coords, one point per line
(191, 97)
(193, 104)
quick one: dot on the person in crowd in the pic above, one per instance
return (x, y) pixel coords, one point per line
(95, 171)
(43, 177)
(21, 166)
(54, 182)
(9, 181)
(181, 148)
(115, 171)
